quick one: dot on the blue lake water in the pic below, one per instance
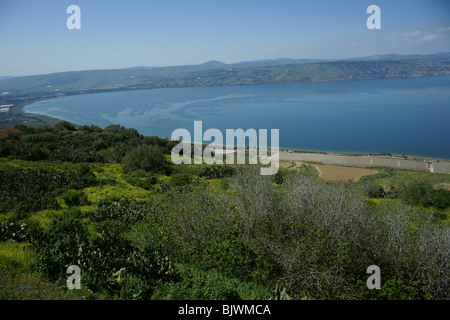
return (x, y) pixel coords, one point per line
(401, 116)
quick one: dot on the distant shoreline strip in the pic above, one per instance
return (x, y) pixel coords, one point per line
(430, 165)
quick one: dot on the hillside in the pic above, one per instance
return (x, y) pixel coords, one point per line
(215, 73)
(139, 227)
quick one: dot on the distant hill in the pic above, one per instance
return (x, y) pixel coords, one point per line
(444, 56)
(140, 67)
(280, 61)
(213, 63)
(216, 73)
(6, 77)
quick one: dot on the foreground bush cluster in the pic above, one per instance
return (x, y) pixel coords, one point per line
(209, 232)
(64, 143)
(316, 239)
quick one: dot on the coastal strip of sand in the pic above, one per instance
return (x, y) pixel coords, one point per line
(399, 162)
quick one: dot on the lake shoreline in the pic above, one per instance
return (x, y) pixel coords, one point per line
(292, 147)
(292, 151)
(367, 160)
(363, 154)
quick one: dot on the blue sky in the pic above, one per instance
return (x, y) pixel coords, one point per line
(34, 38)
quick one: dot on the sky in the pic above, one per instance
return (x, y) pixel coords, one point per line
(35, 39)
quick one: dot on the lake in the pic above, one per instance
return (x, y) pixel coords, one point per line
(402, 116)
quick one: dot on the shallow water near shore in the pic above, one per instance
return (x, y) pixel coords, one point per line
(401, 116)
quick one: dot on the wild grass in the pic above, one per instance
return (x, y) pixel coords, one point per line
(15, 257)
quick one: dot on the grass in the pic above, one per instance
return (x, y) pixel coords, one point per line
(45, 217)
(15, 257)
(112, 184)
(11, 164)
(388, 177)
(111, 179)
(288, 164)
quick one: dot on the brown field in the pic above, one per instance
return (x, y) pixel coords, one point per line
(332, 172)
(338, 173)
(287, 164)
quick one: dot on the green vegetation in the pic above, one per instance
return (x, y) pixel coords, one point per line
(62, 83)
(413, 188)
(139, 227)
(146, 158)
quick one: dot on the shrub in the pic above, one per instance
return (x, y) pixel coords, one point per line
(374, 190)
(440, 198)
(100, 254)
(10, 133)
(421, 192)
(12, 230)
(32, 286)
(217, 171)
(73, 198)
(142, 179)
(416, 192)
(128, 212)
(196, 284)
(32, 190)
(65, 125)
(145, 157)
(392, 289)
(15, 257)
(180, 179)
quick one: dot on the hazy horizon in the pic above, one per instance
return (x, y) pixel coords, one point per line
(231, 63)
(36, 40)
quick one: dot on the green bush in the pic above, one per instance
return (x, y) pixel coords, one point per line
(145, 157)
(422, 192)
(196, 284)
(63, 143)
(15, 257)
(180, 179)
(374, 190)
(32, 286)
(392, 289)
(65, 125)
(126, 211)
(100, 254)
(73, 198)
(142, 179)
(217, 171)
(416, 192)
(13, 230)
(440, 198)
(234, 258)
(36, 189)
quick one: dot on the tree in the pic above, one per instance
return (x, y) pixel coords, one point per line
(10, 133)
(374, 190)
(145, 157)
(65, 125)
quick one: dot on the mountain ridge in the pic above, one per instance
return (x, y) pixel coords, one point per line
(275, 61)
(216, 73)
